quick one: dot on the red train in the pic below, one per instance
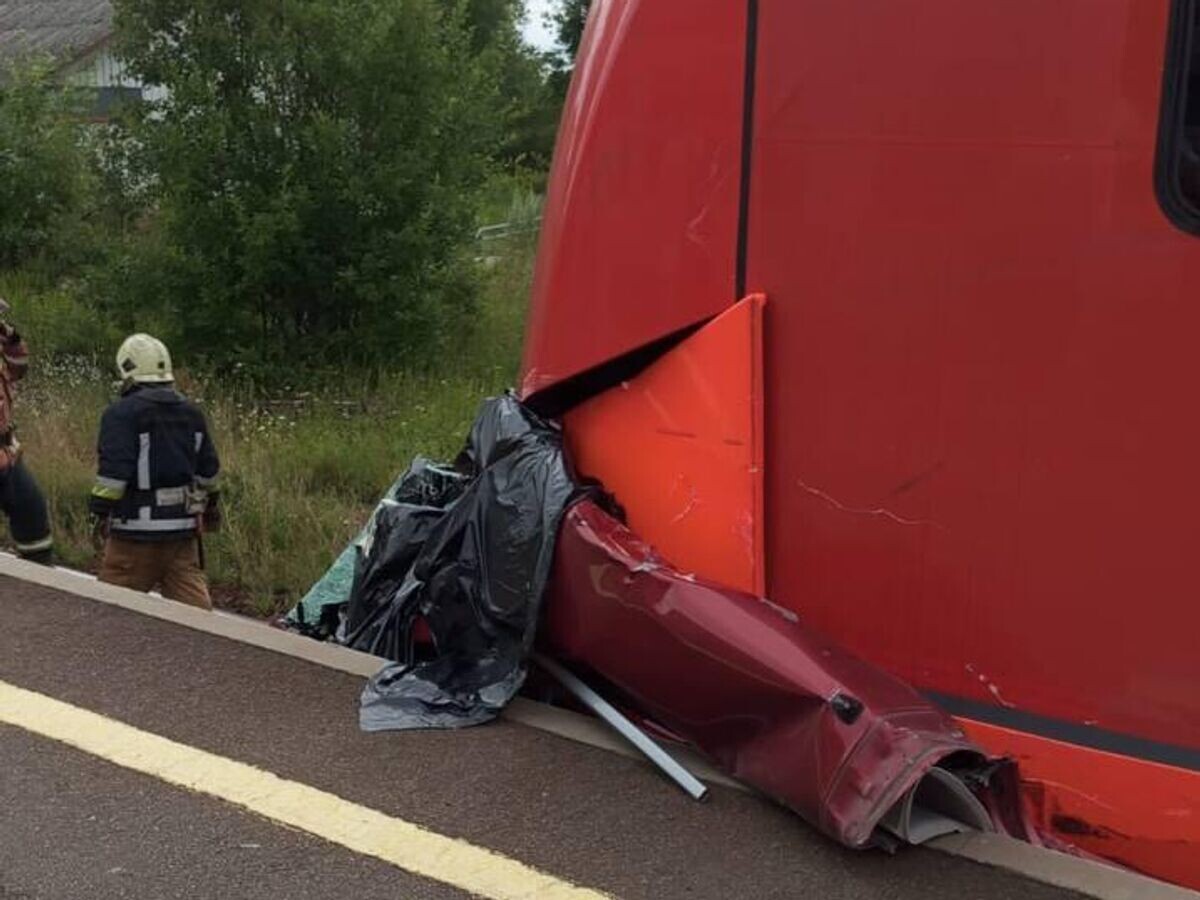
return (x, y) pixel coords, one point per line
(976, 226)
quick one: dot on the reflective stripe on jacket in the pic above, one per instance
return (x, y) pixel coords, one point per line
(157, 463)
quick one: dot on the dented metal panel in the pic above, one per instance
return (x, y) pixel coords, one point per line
(680, 447)
(979, 354)
(770, 701)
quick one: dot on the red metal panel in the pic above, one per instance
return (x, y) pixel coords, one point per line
(1139, 813)
(770, 701)
(680, 447)
(979, 353)
(640, 226)
(981, 369)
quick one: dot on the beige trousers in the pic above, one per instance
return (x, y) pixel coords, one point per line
(171, 566)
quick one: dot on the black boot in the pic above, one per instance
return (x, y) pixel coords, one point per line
(41, 557)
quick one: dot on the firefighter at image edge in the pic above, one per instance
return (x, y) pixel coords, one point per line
(156, 484)
(20, 497)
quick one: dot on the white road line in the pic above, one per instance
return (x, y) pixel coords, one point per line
(403, 844)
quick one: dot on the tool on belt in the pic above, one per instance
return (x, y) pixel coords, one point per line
(197, 505)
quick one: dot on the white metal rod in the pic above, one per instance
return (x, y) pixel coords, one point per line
(627, 729)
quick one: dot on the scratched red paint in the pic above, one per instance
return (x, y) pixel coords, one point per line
(980, 442)
(748, 683)
(683, 441)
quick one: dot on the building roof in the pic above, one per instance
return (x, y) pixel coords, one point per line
(60, 29)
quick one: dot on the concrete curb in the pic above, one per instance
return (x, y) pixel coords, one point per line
(1093, 879)
(236, 628)
(572, 726)
(1039, 864)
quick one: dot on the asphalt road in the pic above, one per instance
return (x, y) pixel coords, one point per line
(74, 826)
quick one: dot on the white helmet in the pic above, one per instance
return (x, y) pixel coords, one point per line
(143, 359)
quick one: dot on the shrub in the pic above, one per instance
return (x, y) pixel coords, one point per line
(312, 169)
(42, 163)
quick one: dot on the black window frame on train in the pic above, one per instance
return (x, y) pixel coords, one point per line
(1180, 112)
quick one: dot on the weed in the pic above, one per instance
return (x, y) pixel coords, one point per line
(302, 468)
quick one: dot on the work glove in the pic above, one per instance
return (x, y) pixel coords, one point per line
(100, 507)
(11, 454)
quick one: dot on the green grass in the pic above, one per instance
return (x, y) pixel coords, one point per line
(302, 470)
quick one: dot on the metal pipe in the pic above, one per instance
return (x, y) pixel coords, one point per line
(627, 729)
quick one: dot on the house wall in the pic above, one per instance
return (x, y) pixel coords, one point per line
(101, 69)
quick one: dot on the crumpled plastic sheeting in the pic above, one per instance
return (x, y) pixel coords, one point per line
(387, 551)
(470, 557)
(772, 703)
(320, 612)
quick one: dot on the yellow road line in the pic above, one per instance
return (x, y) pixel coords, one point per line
(358, 828)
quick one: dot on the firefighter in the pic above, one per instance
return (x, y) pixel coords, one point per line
(156, 485)
(20, 497)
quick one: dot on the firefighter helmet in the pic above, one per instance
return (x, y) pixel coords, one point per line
(143, 359)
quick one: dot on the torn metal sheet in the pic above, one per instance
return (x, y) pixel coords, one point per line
(771, 702)
(680, 447)
(468, 553)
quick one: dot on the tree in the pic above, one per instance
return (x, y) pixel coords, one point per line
(42, 164)
(492, 21)
(311, 169)
(569, 20)
(530, 106)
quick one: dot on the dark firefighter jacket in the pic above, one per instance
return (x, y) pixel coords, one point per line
(155, 453)
(14, 361)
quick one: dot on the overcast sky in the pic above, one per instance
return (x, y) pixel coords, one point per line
(535, 29)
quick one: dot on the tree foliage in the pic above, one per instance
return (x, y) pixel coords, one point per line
(309, 172)
(42, 163)
(302, 184)
(569, 20)
(492, 21)
(530, 106)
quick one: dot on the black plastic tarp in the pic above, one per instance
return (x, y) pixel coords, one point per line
(468, 552)
(321, 613)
